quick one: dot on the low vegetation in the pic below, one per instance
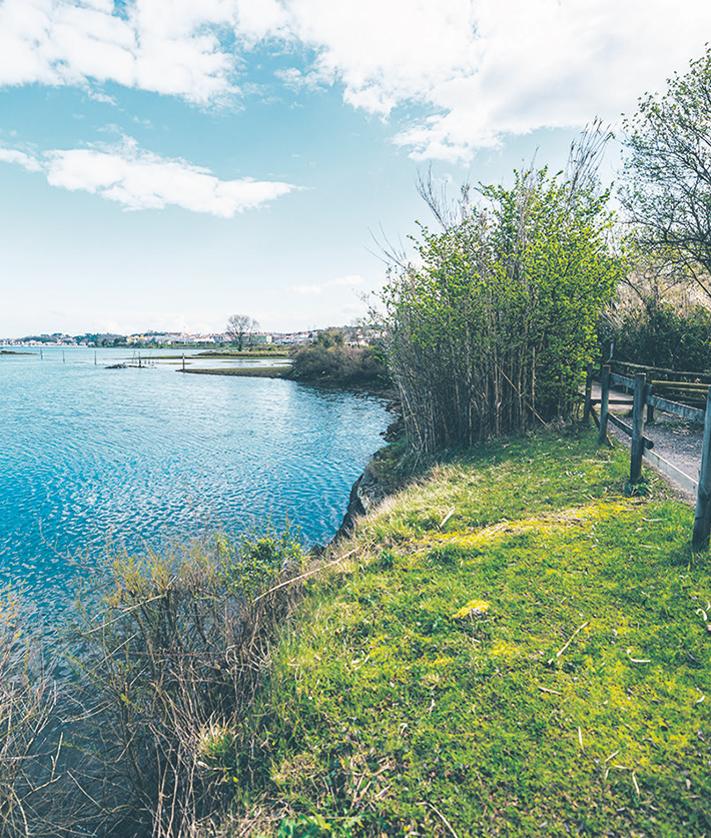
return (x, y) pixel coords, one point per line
(509, 646)
(28, 696)
(151, 681)
(338, 365)
(268, 351)
(264, 371)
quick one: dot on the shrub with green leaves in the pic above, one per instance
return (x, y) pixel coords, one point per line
(490, 330)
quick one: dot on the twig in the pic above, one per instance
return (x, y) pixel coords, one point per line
(547, 690)
(441, 817)
(305, 575)
(446, 518)
(637, 660)
(570, 640)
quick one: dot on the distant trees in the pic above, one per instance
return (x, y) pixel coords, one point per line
(239, 328)
(658, 317)
(667, 189)
(490, 330)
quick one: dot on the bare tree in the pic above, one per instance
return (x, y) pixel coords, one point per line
(668, 172)
(239, 328)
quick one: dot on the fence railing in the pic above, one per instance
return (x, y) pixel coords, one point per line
(646, 397)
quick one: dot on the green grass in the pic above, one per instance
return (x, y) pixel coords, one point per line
(538, 664)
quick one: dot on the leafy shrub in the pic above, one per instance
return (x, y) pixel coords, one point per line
(490, 330)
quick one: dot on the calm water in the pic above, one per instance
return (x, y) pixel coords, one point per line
(91, 457)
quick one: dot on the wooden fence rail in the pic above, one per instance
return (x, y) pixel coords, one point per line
(644, 398)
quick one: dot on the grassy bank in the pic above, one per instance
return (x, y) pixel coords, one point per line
(511, 646)
(275, 352)
(275, 371)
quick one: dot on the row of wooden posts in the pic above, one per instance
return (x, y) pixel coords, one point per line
(646, 401)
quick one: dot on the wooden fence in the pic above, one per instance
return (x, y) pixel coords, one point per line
(693, 405)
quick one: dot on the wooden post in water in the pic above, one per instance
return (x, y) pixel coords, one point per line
(604, 403)
(588, 395)
(640, 394)
(183, 362)
(702, 520)
(95, 357)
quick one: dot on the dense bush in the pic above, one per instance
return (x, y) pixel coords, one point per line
(490, 331)
(660, 334)
(334, 363)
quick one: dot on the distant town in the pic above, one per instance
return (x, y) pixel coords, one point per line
(152, 339)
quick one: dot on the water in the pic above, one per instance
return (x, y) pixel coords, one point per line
(139, 458)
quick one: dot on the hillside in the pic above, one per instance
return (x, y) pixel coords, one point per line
(510, 647)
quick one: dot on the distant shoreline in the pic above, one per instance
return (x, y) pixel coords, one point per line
(281, 371)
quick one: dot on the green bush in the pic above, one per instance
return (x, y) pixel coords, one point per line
(335, 364)
(126, 719)
(661, 335)
(489, 332)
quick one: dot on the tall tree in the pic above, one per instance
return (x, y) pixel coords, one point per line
(667, 188)
(239, 328)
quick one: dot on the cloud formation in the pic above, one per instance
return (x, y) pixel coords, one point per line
(139, 179)
(480, 69)
(167, 46)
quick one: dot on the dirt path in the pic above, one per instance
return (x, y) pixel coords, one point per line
(674, 439)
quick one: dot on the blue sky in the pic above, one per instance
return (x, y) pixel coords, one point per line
(165, 163)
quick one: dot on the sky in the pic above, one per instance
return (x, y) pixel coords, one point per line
(167, 163)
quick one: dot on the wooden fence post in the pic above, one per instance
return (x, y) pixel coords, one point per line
(640, 394)
(702, 520)
(588, 395)
(604, 401)
(650, 414)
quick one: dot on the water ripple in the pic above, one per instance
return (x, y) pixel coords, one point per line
(91, 457)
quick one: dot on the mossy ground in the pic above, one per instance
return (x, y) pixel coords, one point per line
(515, 648)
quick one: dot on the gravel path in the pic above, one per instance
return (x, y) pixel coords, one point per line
(674, 438)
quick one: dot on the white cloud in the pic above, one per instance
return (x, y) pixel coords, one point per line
(478, 69)
(486, 68)
(316, 289)
(167, 46)
(20, 158)
(139, 180)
